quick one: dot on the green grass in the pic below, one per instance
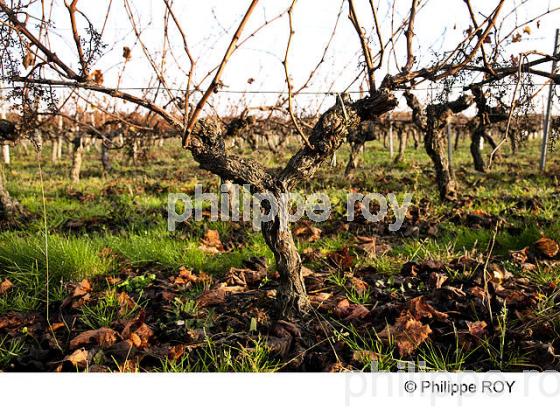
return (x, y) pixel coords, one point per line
(69, 258)
(126, 213)
(106, 310)
(211, 357)
(10, 350)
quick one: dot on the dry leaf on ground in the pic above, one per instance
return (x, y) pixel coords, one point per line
(103, 337)
(217, 295)
(420, 309)
(211, 242)
(478, 328)
(307, 232)
(79, 358)
(546, 247)
(407, 332)
(5, 286)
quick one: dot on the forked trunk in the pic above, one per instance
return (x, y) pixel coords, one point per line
(208, 149)
(434, 122)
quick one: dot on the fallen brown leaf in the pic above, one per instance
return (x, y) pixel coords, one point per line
(357, 312)
(342, 258)
(478, 328)
(103, 337)
(126, 303)
(55, 326)
(307, 231)
(359, 285)
(244, 277)
(368, 244)
(497, 274)
(407, 332)
(521, 255)
(211, 242)
(546, 247)
(79, 358)
(217, 295)
(141, 336)
(137, 332)
(176, 352)
(349, 311)
(283, 338)
(83, 288)
(371, 246)
(184, 277)
(420, 309)
(364, 356)
(80, 295)
(319, 298)
(5, 286)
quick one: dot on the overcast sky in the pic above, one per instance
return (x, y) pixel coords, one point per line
(257, 66)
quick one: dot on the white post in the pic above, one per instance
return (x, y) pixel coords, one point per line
(54, 153)
(544, 147)
(6, 154)
(449, 145)
(59, 138)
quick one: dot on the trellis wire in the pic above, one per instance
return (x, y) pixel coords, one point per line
(59, 86)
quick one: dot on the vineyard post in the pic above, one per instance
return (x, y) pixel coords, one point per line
(59, 139)
(449, 144)
(5, 147)
(549, 104)
(391, 148)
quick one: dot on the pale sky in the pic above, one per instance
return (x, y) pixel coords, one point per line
(209, 25)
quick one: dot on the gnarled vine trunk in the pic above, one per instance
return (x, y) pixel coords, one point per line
(291, 294)
(434, 123)
(485, 117)
(436, 147)
(402, 136)
(208, 149)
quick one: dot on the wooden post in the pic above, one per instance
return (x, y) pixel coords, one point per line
(544, 147)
